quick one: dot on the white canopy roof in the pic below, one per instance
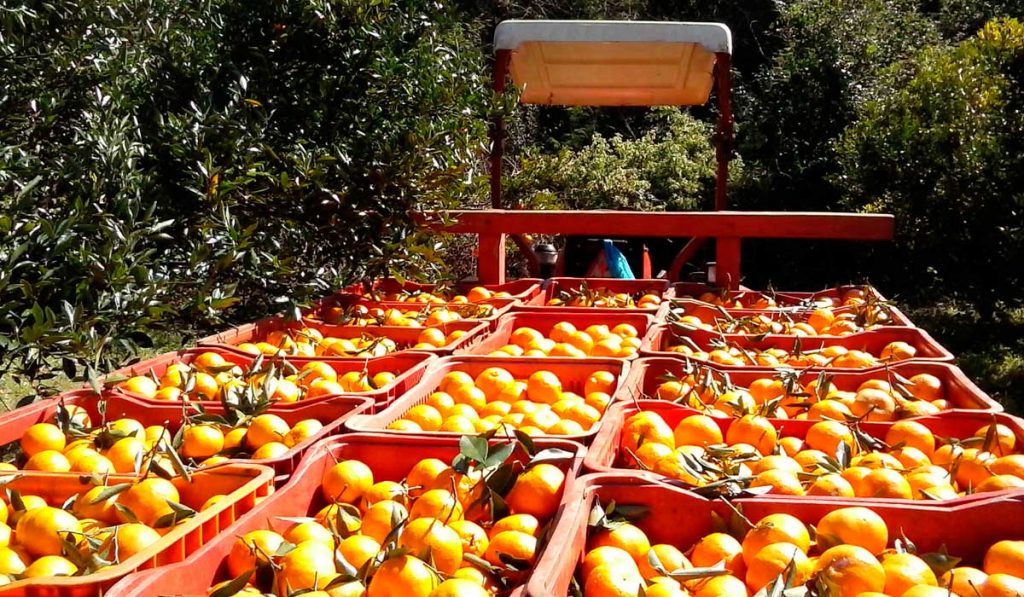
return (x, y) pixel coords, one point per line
(613, 63)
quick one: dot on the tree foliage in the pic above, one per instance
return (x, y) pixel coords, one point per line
(178, 164)
(162, 161)
(943, 150)
(670, 167)
(798, 106)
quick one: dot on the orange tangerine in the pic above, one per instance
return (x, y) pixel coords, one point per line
(455, 379)
(492, 381)
(781, 481)
(697, 430)
(600, 381)
(754, 430)
(719, 547)
(832, 485)
(427, 474)
(911, 434)
(904, 571)
(627, 537)
(775, 528)
(771, 561)
(851, 569)
(855, 526)
(380, 519)
(544, 387)
(346, 481)
(885, 483)
(427, 417)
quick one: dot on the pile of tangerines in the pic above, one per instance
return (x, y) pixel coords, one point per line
(467, 528)
(834, 458)
(72, 443)
(585, 296)
(731, 353)
(425, 315)
(496, 400)
(97, 528)
(564, 340)
(743, 299)
(847, 553)
(731, 299)
(783, 396)
(821, 321)
(441, 295)
(310, 342)
(211, 377)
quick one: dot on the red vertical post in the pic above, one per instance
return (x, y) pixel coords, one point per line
(727, 262)
(501, 62)
(490, 267)
(723, 148)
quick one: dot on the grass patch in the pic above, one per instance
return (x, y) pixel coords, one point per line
(15, 390)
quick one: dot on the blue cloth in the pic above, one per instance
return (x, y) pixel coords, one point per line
(618, 267)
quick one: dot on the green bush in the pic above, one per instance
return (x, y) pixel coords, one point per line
(162, 161)
(670, 167)
(961, 19)
(943, 151)
(794, 110)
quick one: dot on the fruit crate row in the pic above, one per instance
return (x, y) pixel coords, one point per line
(949, 459)
(213, 376)
(391, 516)
(560, 291)
(81, 534)
(280, 337)
(216, 373)
(386, 454)
(644, 295)
(402, 499)
(355, 322)
(863, 350)
(567, 396)
(81, 433)
(552, 532)
(621, 534)
(548, 391)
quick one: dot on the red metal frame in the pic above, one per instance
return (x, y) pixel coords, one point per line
(723, 154)
(723, 145)
(727, 227)
(495, 226)
(501, 61)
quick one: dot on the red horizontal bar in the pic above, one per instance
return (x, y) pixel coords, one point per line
(740, 224)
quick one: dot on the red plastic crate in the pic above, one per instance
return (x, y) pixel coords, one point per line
(318, 313)
(658, 286)
(603, 454)
(403, 336)
(523, 289)
(408, 367)
(572, 372)
(678, 517)
(660, 337)
(833, 293)
(710, 314)
(244, 486)
(960, 391)
(544, 320)
(783, 299)
(389, 457)
(332, 412)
